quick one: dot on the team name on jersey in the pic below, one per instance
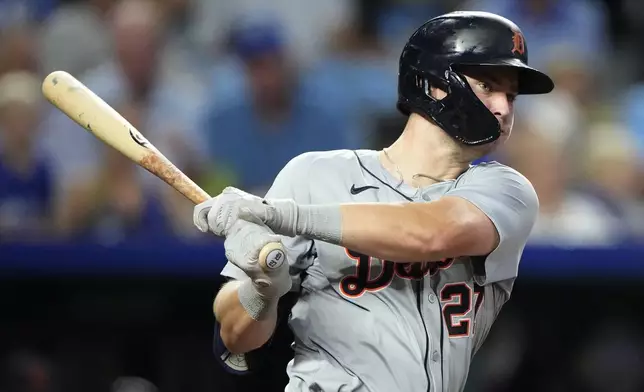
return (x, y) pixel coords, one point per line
(361, 281)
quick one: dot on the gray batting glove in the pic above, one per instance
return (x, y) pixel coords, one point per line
(260, 294)
(243, 244)
(286, 217)
(221, 212)
(283, 216)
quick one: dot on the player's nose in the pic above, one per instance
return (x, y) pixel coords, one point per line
(501, 105)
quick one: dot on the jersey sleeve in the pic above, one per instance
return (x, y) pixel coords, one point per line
(511, 203)
(290, 183)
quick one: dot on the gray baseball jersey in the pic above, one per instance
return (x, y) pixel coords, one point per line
(364, 324)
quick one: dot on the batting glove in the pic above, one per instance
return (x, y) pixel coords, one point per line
(221, 212)
(243, 245)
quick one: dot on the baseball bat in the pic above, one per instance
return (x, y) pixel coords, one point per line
(91, 112)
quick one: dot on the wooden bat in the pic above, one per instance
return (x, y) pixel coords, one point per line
(91, 112)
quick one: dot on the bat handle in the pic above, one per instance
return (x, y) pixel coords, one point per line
(272, 256)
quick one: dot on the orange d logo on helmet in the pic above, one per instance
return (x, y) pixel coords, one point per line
(518, 42)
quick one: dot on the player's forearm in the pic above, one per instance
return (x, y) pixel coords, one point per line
(408, 232)
(239, 332)
(396, 232)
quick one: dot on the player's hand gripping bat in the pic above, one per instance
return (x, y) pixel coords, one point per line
(92, 113)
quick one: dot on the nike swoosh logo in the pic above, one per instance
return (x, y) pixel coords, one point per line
(138, 139)
(355, 191)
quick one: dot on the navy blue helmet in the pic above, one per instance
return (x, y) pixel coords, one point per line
(435, 55)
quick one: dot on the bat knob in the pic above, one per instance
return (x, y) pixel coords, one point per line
(272, 256)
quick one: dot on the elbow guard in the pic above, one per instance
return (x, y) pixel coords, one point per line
(274, 354)
(232, 363)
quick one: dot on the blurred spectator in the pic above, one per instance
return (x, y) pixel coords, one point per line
(567, 217)
(18, 50)
(307, 24)
(615, 174)
(18, 12)
(577, 78)
(557, 115)
(631, 112)
(167, 105)
(358, 58)
(115, 205)
(542, 148)
(25, 179)
(183, 52)
(255, 135)
(75, 37)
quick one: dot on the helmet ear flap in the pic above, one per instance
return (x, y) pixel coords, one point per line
(452, 78)
(460, 113)
(455, 79)
(463, 115)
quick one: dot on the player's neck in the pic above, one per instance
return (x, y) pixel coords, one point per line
(424, 155)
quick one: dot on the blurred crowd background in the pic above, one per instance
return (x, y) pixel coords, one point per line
(232, 90)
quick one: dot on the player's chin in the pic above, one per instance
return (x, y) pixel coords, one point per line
(489, 148)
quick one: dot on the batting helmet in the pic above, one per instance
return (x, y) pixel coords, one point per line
(432, 57)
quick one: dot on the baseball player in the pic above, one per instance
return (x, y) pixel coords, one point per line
(401, 258)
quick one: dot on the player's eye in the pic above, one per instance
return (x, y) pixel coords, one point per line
(512, 97)
(485, 87)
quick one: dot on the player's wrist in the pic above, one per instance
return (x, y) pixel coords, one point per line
(257, 303)
(282, 216)
(320, 222)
